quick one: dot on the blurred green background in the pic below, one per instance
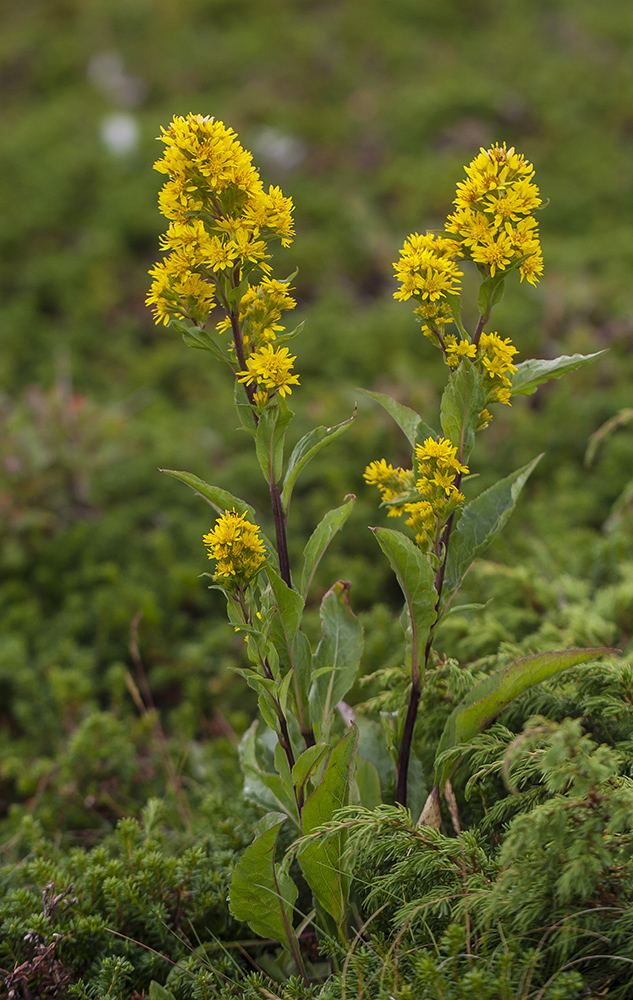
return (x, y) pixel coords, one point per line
(364, 111)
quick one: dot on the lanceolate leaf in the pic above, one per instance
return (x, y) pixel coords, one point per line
(270, 435)
(534, 372)
(462, 402)
(480, 521)
(320, 539)
(244, 409)
(261, 787)
(193, 336)
(337, 656)
(308, 763)
(321, 859)
(289, 604)
(305, 450)
(409, 422)
(263, 894)
(490, 292)
(416, 579)
(492, 695)
(219, 499)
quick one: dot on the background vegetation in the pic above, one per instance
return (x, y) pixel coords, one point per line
(115, 683)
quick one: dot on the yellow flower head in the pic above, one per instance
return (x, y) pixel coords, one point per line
(496, 357)
(426, 269)
(394, 484)
(458, 349)
(221, 218)
(179, 293)
(261, 307)
(493, 219)
(270, 368)
(437, 495)
(237, 548)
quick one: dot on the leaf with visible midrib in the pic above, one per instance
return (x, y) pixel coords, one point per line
(261, 893)
(416, 579)
(535, 371)
(481, 520)
(321, 860)
(337, 656)
(219, 499)
(462, 401)
(305, 450)
(486, 699)
(410, 423)
(320, 539)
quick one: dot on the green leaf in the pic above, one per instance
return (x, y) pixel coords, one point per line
(335, 662)
(261, 787)
(480, 521)
(491, 292)
(283, 338)
(193, 336)
(158, 992)
(321, 860)
(305, 450)
(221, 500)
(368, 782)
(455, 306)
(270, 435)
(416, 579)
(534, 372)
(320, 539)
(486, 699)
(244, 408)
(462, 401)
(262, 894)
(292, 645)
(307, 764)
(289, 604)
(410, 423)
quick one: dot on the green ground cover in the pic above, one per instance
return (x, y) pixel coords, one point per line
(115, 682)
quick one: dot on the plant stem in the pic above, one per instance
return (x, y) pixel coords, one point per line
(405, 743)
(275, 495)
(280, 531)
(415, 693)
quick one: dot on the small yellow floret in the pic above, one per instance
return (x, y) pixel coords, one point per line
(270, 368)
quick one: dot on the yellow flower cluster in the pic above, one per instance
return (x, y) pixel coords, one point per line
(426, 269)
(494, 357)
(493, 225)
(270, 368)
(261, 307)
(222, 219)
(437, 495)
(394, 484)
(493, 220)
(237, 548)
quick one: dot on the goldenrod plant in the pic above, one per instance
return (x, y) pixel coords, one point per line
(215, 287)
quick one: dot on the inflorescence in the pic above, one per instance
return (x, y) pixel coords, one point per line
(236, 546)
(221, 220)
(493, 226)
